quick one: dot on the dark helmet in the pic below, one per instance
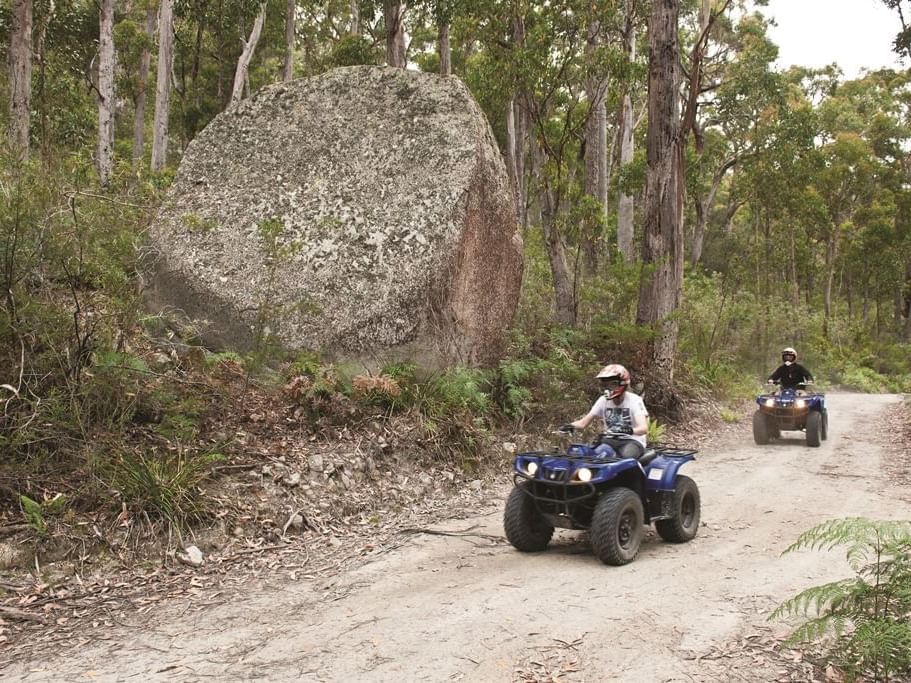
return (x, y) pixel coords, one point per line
(614, 380)
(788, 355)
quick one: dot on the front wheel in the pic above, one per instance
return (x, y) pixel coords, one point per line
(617, 530)
(824, 432)
(686, 508)
(814, 428)
(760, 428)
(525, 528)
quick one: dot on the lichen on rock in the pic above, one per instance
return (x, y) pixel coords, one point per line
(365, 212)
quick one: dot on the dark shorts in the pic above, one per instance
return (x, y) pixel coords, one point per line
(625, 448)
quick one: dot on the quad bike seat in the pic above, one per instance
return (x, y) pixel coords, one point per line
(649, 455)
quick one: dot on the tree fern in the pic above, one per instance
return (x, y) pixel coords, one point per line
(865, 621)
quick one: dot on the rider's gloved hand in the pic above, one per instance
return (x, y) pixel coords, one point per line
(568, 428)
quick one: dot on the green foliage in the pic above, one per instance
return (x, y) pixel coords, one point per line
(164, 485)
(863, 621)
(34, 514)
(656, 431)
(352, 51)
(729, 416)
(224, 358)
(195, 224)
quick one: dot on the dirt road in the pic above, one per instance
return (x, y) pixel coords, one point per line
(469, 607)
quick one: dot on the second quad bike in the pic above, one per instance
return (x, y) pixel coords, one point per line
(791, 409)
(590, 487)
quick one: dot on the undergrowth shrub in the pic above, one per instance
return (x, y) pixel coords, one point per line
(67, 296)
(862, 622)
(163, 484)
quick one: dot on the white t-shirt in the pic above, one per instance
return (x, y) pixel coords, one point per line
(620, 417)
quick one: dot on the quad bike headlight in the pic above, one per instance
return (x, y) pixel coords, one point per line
(531, 468)
(584, 474)
(800, 403)
(770, 402)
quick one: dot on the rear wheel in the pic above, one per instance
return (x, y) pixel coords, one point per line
(824, 432)
(814, 428)
(616, 530)
(687, 510)
(760, 428)
(525, 528)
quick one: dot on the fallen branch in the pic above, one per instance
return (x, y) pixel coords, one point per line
(437, 532)
(21, 615)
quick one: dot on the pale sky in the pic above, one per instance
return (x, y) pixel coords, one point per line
(854, 33)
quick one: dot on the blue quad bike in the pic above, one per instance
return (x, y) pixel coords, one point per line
(788, 410)
(589, 487)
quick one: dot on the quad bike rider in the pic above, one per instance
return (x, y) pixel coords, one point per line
(791, 408)
(790, 373)
(613, 487)
(622, 413)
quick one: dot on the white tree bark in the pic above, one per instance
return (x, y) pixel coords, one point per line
(660, 288)
(106, 57)
(20, 77)
(394, 14)
(355, 10)
(243, 62)
(444, 49)
(163, 85)
(290, 17)
(139, 108)
(625, 203)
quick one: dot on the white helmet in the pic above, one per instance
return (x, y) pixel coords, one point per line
(788, 355)
(615, 379)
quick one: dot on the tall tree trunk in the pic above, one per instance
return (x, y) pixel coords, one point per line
(625, 203)
(510, 152)
(20, 78)
(393, 14)
(519, 114)
(703, 207)
(354, 9)
(792, 272)
(662, 280)
(163, 85)
(564, 300)
(444, 49)
(831, 252)
(595, 150)
(243, 62)
(106, 103)
(290, 18)
(139, 108)
(906, 303)
(41, 94)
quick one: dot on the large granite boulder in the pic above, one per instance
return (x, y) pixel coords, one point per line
(365, 212)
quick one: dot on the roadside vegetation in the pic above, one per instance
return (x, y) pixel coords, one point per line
(797, 218)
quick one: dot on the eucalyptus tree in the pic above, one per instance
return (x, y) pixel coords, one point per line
(241, 73)
(394, 21)
(662, 251)
(290, 36)
(632, 15)
(550, 67)
(669, 127)
(105, 88)
(735, 119)
(135, 60)
(20, 77)
(163, 85)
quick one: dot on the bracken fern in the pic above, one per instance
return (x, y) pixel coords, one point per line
(865, 621)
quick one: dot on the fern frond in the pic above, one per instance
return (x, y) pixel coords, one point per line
(818, 598)
(867, 617)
